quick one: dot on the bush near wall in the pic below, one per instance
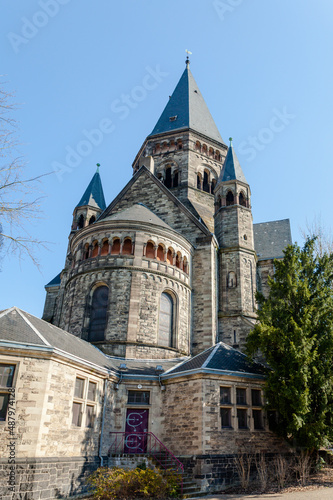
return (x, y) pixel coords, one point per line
(117, 483)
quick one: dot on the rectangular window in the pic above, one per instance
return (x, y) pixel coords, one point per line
(6, 382)
(79, 388)
(6, 375)
(90, 416)
(256, 397)
(242, 418)
(92, 391)
(138, 398)
(257, 419)
(226, 418)
(241, 396)
(77, 414)
(225, 396)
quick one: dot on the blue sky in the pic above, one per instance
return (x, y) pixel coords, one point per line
(264, 68)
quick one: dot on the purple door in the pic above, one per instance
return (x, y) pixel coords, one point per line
(136, 429)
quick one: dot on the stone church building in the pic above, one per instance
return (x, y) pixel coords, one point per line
(139, 352)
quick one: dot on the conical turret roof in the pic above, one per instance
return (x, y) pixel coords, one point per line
(93, 195)
(187, 109)
(231, 169)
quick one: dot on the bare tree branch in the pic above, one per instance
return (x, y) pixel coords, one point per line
(323, 235)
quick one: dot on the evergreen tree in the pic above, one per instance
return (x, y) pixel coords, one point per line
(295, 336)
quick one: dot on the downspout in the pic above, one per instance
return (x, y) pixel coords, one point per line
(102, 428)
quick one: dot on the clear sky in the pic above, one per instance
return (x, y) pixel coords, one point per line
(265, 70)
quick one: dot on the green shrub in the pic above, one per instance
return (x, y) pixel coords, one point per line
(117, 483)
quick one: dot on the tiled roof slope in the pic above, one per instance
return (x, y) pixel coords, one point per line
(138, 213)
(55, 282)
(271, 238)
(224, 358)
(186, 109)
(93, 195)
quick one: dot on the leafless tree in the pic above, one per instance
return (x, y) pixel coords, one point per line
(324, 236)
(19, 202)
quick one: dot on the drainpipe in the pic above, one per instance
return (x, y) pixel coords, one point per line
(102, 428)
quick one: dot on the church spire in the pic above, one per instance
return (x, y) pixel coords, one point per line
(231, 171)
(94, 195)
(186, 109)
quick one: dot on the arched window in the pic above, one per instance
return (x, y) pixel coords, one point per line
(199, 186)
(150, 250)
(166, 320)
(172, 146)
(178, 260)
(198, 146)
(164, 147)
(115, 249)
(170, 256)
(92, 219)
(230, 198)
(127, 247)
(242, 200)
(204, 148)
(206, 182)
(80, 222)
(232, 280)
(185, 265)
(160, 253)
(179, 144)
(98, 314)
(211, 152)
(167, 181)
(175, 179)
(105, 248)
(95, 250)
(86, 251)
(213, 185)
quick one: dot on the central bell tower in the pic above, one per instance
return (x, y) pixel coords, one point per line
(185, 150)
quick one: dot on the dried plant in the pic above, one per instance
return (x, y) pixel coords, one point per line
(302, 467)
(262, 471)
(243, 465)
(282, 471)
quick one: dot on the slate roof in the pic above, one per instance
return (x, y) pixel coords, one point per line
(138, 213)
(187, 109)
(223, 358)
(271, 238)
(231, 169)
(93, 195)
(55, 282)
(21, 327)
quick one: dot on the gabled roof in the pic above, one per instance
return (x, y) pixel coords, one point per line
(271, 238)
(186, 109)
(138, 213)
(93, 195)
(224, 359)
(164, 190)
(231, 169)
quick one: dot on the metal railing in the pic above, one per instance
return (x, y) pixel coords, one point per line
(145, 443)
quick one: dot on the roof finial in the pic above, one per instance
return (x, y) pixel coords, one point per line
(98, 165)
(187, 62)
(230, 139)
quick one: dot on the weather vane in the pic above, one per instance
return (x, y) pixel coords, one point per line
(187, 58)
(98, 165)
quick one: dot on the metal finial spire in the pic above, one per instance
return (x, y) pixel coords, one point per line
(230, 139)
(98, 165)
(187, 62)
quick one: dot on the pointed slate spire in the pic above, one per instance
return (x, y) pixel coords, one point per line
(93, 195)
(231, 169)
(187, 109)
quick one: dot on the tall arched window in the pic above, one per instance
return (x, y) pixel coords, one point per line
(80, 222)
(92, 219)
(206, 182)
(242, 200)
(95, 250)
(175, 179)
(199, 186)
(160, 253)
(166, 320)
(150, 250)
(168, 178)
(230, 198)
(105, 248)
(98, 314)
(115, 249)
(127, 247)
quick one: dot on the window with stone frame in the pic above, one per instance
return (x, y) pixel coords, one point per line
(240, 396)
(7, 372)
(138, 397)
(242, 418)
(225, 407)
(84, 402)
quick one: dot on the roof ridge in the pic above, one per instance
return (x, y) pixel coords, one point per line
(211, 355)
(6, 311)
(33, 327)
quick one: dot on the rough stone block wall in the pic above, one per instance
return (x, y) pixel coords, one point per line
(265, 268)
(181, 417)
(46, 478)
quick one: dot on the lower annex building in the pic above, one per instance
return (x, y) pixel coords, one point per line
(142, 332)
